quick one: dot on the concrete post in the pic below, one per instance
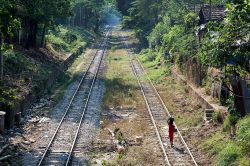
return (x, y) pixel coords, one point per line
(2, 121)
(18, 118)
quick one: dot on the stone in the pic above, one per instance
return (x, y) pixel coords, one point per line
(120, 149)
(32, 140)
(138, 139)
(101, 124)
(42, 146)
(26, 142)
(17, 133)
(44, 120)
(34, 120)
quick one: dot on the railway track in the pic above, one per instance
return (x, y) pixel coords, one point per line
(180, 155)
(62, 144)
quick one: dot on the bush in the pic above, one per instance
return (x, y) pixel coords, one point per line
(229, 155)
(230, 121)
(147, 55)
(207, 85)
(226, 124)
(215, 144)
(244, 161)
(18, 60)
(7, 96)
(217, 117)
(67, 40)
(243, 134)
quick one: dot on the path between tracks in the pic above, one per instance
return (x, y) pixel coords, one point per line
(122, 107)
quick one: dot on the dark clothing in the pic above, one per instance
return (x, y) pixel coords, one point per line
(171, 129)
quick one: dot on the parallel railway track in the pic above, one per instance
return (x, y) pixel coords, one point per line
(179, 155)
(61, 146)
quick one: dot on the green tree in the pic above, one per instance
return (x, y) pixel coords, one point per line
(88, 13)
(228, 42)
(42, 12)
(8, 24)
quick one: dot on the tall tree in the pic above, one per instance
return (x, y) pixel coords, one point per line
(231, 43)
(88, 13)
(8, 24)
(42, 12)
(123, 6)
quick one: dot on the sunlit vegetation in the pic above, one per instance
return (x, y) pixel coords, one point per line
(23, 74)
(120, 82)
(171, 34)
(228, 151)
(67, 40)
(35, 36)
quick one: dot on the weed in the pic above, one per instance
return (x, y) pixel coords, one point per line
(120, 157)
(214, 144)
(244, 161)
(120, 82)
(67, 40)
(130, 93)
(113, 49)
(229, 155)
(104, 163)
(217, 117)
(243, 134)
(230, 152)
(207, 85)
(7, 96)
(230, 121)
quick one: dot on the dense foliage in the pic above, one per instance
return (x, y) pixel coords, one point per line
(230, 44)
(62, 26)
(26, 22)
(171, 26)
(173, 30)
(36, 16)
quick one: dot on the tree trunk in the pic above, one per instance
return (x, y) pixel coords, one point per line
(43, 35)
(85, 18)
(1, 56)
(96, 22)
(31, 41)
(80, 16)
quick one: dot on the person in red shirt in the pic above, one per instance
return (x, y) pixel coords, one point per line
(171, 129)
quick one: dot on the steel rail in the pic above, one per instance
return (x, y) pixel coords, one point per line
(87, 102)
(148, 108)
(151, 116)
(163, 104)
(165, 107)
(67, 110)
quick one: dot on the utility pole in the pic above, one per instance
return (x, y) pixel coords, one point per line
(1, 56)
(210, 13)
(80, 16)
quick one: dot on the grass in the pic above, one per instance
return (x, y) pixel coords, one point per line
(156, 67)
(65, 40)
(222, 150)
(229, 155)
(173, 93)
(26, 74)
(213, 142)
(22, 75)
(227, 151)
(123, 94)
(120, 82)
